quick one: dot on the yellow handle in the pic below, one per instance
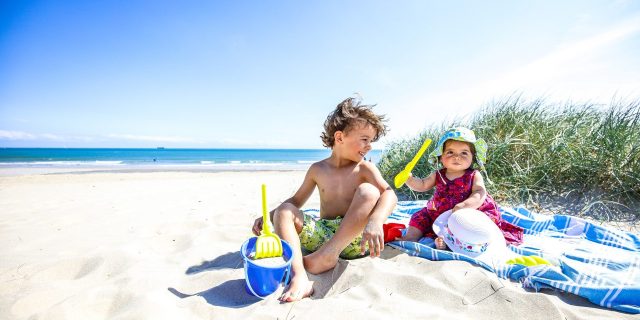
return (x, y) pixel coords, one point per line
(403, 175)
(413, 162)
(265, 216)
(528, 261)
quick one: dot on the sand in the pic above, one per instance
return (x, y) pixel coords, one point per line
(165, 245)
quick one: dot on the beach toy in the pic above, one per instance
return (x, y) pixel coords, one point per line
(268, 243)
(403, 175)
(392, 231)
(261, 279)
(528, 261)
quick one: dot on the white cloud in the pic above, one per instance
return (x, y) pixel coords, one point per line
(16, 135)
(253, 143)
(580, 70)
(42, 137)
(52, 137)
(133, 137)
(21, 136)
(48, 137)
(568, 59)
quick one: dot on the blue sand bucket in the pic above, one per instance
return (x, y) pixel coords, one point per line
(262, 281)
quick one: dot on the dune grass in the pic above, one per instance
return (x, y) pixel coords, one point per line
(579, 159)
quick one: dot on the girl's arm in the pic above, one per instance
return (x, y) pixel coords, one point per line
(478, 194)
(421, 185)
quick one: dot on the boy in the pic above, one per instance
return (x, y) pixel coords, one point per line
(355, 200)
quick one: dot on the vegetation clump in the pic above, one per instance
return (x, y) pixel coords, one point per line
(578, 159)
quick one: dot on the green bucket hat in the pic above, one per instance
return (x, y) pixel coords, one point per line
(465, 135)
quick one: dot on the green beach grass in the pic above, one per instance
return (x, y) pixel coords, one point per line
(578, 159)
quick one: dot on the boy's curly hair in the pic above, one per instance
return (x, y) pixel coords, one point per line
(349, 114)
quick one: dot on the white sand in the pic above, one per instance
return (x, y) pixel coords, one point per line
(269, 262)
(165, 245)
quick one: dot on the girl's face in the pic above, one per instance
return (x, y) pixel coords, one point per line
(457, 155)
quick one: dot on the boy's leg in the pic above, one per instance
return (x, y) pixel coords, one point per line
(288, 221)
(353, 223)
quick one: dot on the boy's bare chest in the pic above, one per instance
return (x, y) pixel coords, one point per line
(339, 189)
(336, 193)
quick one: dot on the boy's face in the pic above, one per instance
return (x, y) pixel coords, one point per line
(356, 142)
(456, 155)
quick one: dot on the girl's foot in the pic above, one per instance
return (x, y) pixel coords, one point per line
(440, 244)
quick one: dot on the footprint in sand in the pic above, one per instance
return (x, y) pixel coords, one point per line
(37, 302)
(87, 282)
(109, 301)
(68, 269)
(103, 267)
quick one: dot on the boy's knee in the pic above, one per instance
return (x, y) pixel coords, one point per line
(284, 211)
(287, 213)
(368, 192)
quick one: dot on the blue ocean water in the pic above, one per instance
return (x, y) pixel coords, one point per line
(199, 158)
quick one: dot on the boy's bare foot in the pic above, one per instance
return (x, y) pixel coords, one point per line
(300, 287)
(319, 262)
(440, 245)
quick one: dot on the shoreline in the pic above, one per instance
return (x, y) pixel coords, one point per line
(48, 170)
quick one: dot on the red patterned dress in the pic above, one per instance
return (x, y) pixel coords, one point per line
(448, 193)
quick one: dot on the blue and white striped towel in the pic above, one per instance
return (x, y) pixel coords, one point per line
(599, 263)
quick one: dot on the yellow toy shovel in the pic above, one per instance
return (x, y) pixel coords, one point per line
(268, 244)
(528, 261)
(402, 177)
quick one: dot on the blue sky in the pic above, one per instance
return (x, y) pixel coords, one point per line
(241, 74)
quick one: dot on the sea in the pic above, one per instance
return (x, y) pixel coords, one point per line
(166, 158)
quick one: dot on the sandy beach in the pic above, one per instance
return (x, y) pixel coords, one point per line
(165, 245)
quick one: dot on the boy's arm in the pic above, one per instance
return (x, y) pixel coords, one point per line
(298, 199)
(304, 191)
(373, 233)
(478, 194)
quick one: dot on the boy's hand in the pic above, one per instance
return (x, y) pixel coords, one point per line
(257, 226)
(373, 235)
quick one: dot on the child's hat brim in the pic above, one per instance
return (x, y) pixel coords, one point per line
(464, 135)
(469, 225)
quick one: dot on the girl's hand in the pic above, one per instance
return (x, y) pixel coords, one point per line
(458, 206)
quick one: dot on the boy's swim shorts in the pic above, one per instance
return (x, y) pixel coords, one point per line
(315, 232)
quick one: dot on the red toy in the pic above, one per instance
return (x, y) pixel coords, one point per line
(392, 231)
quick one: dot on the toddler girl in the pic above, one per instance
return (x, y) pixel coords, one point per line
(458, 185)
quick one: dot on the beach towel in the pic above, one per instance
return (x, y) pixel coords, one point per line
(599, 263)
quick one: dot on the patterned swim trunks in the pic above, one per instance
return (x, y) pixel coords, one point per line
(315, 232)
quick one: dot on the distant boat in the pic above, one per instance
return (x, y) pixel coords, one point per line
(160, 148)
